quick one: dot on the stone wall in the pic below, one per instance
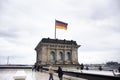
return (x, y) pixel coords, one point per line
(57, 52)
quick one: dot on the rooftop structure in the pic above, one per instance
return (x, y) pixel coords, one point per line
(57, 51)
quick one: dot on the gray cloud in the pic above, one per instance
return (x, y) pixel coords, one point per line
(8, 33)
(94, 24)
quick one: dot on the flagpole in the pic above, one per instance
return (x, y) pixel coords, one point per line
(7, 60)
(55, 29)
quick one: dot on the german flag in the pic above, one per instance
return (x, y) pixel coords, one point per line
(60, 25)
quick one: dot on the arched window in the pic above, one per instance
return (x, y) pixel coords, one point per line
(52, 56)
(60, 56)
(68, 56)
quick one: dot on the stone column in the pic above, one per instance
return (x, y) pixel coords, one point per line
(56, 56)
(64, 56)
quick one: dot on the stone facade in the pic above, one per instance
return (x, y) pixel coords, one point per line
(57, 51)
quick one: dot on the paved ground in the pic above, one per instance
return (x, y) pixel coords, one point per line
(39, 76)
(9, 74)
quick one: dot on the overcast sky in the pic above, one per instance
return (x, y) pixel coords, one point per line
(93, 24)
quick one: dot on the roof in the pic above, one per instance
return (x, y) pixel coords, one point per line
(58, 41)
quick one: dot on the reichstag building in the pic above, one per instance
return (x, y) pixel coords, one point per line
(57, 52)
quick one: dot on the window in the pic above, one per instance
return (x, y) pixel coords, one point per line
(60, 56)
(68, 56)
(52, 56)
